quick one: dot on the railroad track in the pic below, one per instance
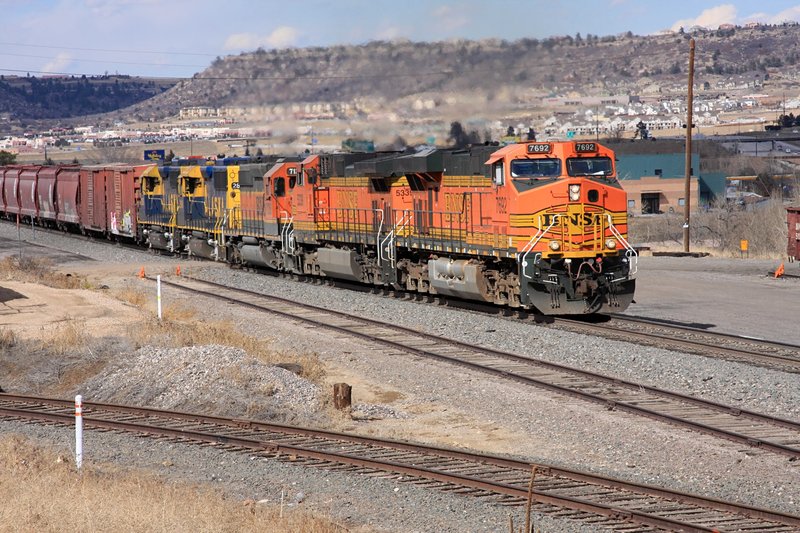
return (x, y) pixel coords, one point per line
(750, 429)
(601, 501)
(638, 330)
(775, 355)
(654, 332)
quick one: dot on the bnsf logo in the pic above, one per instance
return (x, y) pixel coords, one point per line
(347, 199)
(454, 206)
(575, 219)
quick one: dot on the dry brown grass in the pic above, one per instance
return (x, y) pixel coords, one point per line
(44, 493)
(69, 336)
(181, 327)
(32, 270)
(718, 230)
(134, 297)
(7, 339)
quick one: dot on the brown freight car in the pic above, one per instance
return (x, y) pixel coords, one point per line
(67, 197)
(93, 198)
(28, 203)
(11, 191)
(793, 221)
(108, 196)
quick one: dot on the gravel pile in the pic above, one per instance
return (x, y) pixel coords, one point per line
(455, 407)
(200, 377)
(371, 411)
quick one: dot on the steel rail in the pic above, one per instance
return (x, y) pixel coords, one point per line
(452, 478)
(683, 327)
(707, 347)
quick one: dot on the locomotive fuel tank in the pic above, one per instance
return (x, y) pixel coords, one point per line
(460, 278)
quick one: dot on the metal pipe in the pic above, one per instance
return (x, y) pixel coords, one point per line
(78, 431)
(687, 185)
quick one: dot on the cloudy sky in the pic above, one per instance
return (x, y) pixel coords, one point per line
(177, 38)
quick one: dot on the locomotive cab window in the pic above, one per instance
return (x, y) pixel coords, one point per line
(280, 187)
(190, 185)
(589, 166)
(499, 177)
(311, 173)
(535, 168)
(151, 183)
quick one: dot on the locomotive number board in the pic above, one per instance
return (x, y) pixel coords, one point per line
(540, 148)
(585, 147)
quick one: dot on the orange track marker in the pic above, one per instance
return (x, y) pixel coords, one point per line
(178, 270)
(141, 272)
(779, 271)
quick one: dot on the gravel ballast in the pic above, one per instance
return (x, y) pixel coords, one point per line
(435, 403)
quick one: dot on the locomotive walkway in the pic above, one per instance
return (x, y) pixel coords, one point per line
(750, 429)
(588, 498)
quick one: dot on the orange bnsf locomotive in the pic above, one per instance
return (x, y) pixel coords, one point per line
(537, 225)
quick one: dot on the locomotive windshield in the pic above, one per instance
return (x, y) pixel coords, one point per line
(589, 166)
(150, 183)
(535, 168)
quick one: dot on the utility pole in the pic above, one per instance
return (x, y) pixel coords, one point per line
(687, 190)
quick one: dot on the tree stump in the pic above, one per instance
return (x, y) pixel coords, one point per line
(342, 395)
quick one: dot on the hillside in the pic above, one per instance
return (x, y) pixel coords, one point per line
(392, 73)
(516, 71)
(35, 98)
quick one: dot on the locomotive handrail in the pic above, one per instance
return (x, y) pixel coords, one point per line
(630, 252)
(533, 242)
(221, 235)
(378, 235)
(391, 252)
(287, 234)
(345, 220)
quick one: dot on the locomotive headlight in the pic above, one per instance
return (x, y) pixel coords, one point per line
(611, 244)
(574, 192)
(555, 246)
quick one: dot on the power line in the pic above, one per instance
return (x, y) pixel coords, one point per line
(416, 74)
(248, 78)
(114, 50)
(80, 74)
(103, 61)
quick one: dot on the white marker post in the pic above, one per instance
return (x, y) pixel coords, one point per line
(158, 291)
(78, 431)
